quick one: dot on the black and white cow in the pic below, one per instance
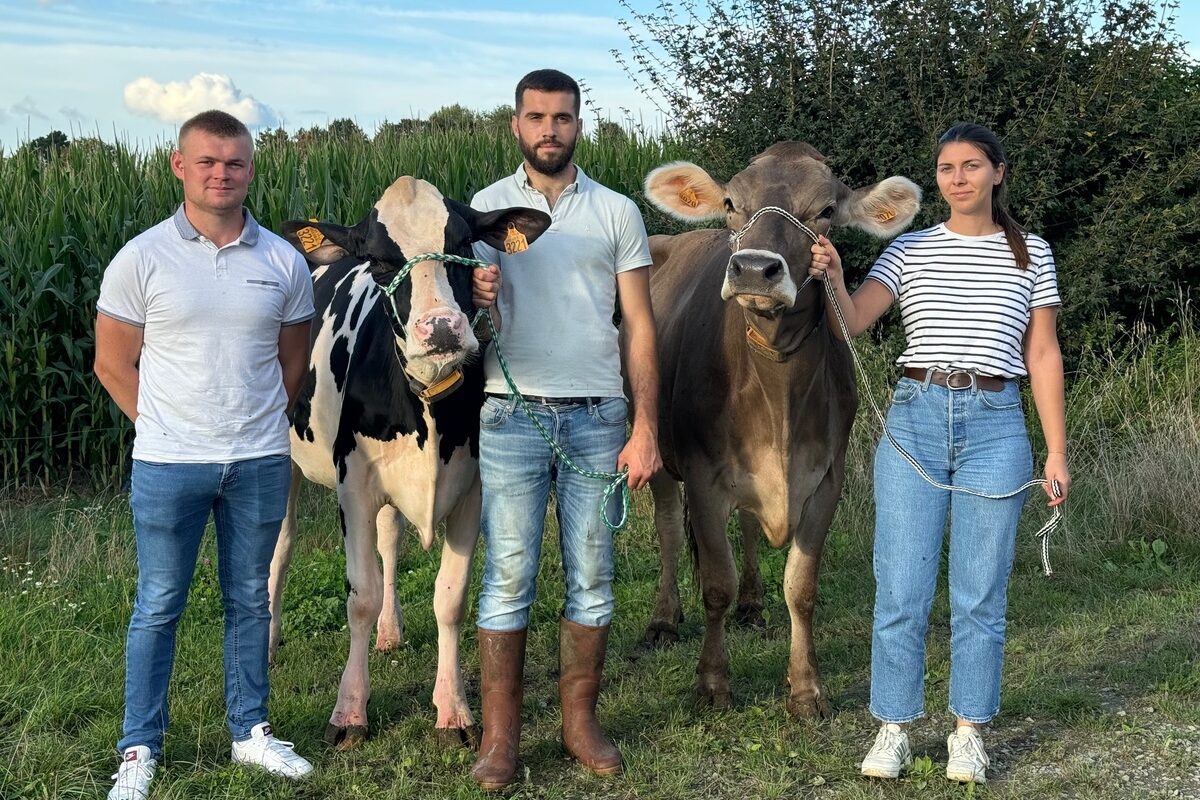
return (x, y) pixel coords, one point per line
(366, 422)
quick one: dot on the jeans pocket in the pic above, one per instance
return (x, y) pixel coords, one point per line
(495, 412)
(612, 411)
(906, 391)
(1004, 400)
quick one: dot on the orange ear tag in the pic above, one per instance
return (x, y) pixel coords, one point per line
(886, 215)
(515, 241)
(689, 198)
(310, 238)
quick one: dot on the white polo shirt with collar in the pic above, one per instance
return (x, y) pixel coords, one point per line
(210, 385)
(557, 298)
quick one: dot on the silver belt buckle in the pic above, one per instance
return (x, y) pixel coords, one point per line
(959, 379)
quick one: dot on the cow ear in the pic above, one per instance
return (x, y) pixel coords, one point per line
(492, 227)
(686, 192)
(321, 242)
(883, 209)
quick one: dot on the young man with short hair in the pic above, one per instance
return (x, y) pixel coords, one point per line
(202, 340)
(556, 305)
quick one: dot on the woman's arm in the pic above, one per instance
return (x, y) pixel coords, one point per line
(860, 311)
(1043, 359)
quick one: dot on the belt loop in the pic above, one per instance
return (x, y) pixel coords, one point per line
(974, 383)
(591, 406)
(928, 379)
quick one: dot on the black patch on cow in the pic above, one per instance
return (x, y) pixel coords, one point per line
(302, 407)
(358, 307)
(339, 360)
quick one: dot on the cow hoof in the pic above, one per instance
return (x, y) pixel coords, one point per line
(387, 645)
(661, 634)
(808, 707)
(454, 738)
(750, 616)
(345, 738)
(717, 699)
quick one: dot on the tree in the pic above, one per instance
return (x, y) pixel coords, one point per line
(1101, 120)
(455, 117)
(268, 138)
(49, 145)
(346, 130)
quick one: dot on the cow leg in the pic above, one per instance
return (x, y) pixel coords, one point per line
(807, 696)
(718, 584)
(668, 521)
(280, 563)
(455, 725)
(348, 723)
(389, 629)
(750, 587)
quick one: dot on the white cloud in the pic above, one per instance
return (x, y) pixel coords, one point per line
(179, 100)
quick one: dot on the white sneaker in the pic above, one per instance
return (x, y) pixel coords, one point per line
(890, 754)
(134, 775)
(277, 757)
(968, 761)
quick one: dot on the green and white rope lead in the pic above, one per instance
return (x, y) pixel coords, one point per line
(616, 480)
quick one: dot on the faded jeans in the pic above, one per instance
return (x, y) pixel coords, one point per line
(171, 504)
(969, 438)
(517, 468)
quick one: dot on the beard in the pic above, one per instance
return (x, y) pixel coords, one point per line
(550, 164)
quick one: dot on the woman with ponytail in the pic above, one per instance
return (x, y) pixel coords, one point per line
(978, 298)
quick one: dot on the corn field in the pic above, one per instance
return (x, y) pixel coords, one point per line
(63, 217)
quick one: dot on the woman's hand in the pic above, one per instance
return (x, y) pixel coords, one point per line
(826, 263)
(1056, 471)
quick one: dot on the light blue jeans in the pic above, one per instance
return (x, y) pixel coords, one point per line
(171, 504)
(517, 468)
(969, 438)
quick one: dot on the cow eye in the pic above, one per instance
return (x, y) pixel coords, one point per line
(827, 213)
(728, 206)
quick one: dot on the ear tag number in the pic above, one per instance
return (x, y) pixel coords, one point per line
(689, 198)
(515, 241)
(310, 238)
(886, 215)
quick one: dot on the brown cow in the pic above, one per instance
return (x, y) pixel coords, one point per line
(757, 395)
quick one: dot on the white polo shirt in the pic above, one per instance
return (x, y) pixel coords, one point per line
(558, 297)
(210, 386)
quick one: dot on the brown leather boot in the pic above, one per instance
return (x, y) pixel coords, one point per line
(502, 669)
(581, 657)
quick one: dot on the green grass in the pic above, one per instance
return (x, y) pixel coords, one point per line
(1111, 635)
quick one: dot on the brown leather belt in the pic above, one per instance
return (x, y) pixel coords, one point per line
(958, 379)
(552, 401)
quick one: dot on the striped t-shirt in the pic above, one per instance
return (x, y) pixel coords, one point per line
(964, 303)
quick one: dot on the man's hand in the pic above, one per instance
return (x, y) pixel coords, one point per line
(640, 455)
(485, 285)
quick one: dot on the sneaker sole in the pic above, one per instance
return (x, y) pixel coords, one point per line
(965, 777)
(880, 772)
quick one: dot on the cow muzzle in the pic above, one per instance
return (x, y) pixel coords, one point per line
(436, 346)
(760, 281)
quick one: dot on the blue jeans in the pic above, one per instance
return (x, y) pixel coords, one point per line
(970, 438)
(517, 468)
(171, 504)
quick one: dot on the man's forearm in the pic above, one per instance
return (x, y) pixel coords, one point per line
(121, 383)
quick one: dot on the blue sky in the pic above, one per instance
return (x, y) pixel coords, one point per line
(140, 67)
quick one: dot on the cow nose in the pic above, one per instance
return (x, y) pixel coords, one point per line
(751, 271)
(441, 331)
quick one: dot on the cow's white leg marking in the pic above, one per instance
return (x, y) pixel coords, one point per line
(363, 602)
(280, 563)
(668, 521)
(807, 697)
(449, 607)
(389, 630)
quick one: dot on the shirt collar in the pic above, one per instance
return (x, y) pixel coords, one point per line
(249, 235)
(522, 179)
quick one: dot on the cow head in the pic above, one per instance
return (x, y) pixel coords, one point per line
(429, 310)
(770, 259)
